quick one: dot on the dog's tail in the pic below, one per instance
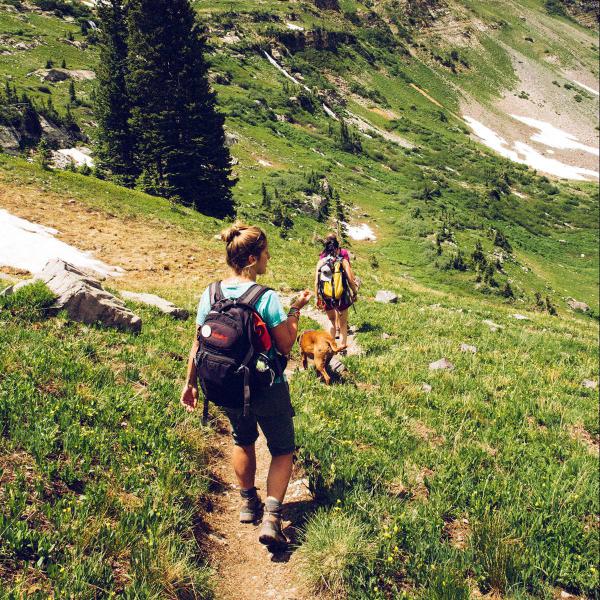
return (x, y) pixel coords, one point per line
(335, 347)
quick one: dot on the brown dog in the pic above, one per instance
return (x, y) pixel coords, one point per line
(320, 346)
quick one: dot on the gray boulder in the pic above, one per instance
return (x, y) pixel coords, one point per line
(590, 384)
(82, 297)
(386, 297)
(54, 75)
(166, 307)
(577, 305)
(441, 365)
(468, 348)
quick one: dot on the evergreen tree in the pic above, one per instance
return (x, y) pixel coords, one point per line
(114, 142)
(72, 93)
(44, 156)
(180, 136)
(340, 212)
(266, 199)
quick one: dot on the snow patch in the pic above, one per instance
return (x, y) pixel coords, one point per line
(360, 232)
(523, 153)
(294, 27)
(554, 137)
(78, 156)
(29, 246)
(586, 87)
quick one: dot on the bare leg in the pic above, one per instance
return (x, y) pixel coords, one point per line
(244, 465)
(343, 317)
(332, 316)
(279, 475)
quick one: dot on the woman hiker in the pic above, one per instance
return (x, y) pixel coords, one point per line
(335, 286)
(247, 255)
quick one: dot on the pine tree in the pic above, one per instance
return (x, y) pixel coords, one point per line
(115, 143)
(44, 156)
(72, 93)
(340, 212)
(266, 199)
(180, 135)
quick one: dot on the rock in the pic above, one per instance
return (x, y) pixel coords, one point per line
(442, 364)
(467, 348)
(520, 317)
(53, 75)
(576, 305)
(166, 307)
(231, 38)
(83, 298)
(386, 297)
(426, 388)
(10, 139)
(493, 326)
(11, 289)
(231, 139)
(590, 384)
(385, 336)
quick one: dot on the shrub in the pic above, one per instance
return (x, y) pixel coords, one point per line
(495, 554)
(333, 543)
(30, 303)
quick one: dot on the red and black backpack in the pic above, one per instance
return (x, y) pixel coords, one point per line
(232, 360)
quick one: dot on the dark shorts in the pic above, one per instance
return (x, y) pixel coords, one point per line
(340, 305)
(271, 411)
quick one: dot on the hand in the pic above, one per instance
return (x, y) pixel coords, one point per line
(302, 300)
(189, 398)
(320, 304)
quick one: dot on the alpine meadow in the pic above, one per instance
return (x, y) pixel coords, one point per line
(451, 146)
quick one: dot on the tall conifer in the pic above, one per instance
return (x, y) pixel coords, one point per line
(180, 136)
(115, 141)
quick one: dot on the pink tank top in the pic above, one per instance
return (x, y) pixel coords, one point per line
(343, 254)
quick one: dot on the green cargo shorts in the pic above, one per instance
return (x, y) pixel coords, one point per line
(272, 411)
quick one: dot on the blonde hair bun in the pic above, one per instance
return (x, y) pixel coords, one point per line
(230, 233)
(243, 241)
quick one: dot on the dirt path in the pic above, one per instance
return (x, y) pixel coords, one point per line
(245, 569)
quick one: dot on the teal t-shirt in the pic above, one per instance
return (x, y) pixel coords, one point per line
(268, 307)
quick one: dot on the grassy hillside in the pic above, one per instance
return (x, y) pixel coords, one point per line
(485, 483)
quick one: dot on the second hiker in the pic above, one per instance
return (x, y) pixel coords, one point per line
(335, 286)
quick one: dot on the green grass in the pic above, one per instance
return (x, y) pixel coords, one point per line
(500, 441)
(102, 474)
(491, 443)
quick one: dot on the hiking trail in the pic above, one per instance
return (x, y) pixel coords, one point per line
(246, 570)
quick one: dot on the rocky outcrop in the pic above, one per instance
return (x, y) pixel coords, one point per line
(166, 307)
(328, 4)
(23, 127)
(82, 297)
(577, 305)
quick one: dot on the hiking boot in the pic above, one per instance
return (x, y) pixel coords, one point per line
(251, 508)
(271, 534)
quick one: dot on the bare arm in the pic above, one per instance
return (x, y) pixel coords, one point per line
(350, 276)
(189, 394)
(319, 264)
(285, 334)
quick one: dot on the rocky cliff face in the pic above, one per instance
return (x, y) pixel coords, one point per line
(22, 127)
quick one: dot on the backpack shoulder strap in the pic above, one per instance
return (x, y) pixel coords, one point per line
(253, 294)
(215, 293)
